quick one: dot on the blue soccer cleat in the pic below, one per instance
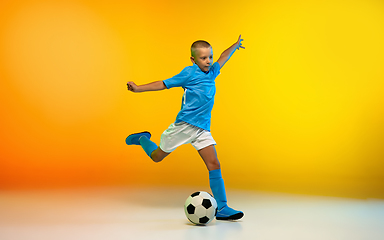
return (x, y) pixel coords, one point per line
(227, 213)
(133, 139)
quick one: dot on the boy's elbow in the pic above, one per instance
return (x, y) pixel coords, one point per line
(221, 62)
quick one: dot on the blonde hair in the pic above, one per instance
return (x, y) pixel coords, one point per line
(199, 44)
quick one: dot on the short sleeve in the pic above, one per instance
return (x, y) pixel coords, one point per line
(178, 80)
(216, 69)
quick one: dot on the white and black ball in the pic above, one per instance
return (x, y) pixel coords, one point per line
(200, 208)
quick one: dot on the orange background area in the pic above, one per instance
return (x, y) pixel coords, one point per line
(299, 110)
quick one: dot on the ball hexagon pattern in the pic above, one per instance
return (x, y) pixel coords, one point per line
(200, 208)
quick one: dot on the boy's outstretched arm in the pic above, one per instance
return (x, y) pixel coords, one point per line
(153, 86)
(226, 55)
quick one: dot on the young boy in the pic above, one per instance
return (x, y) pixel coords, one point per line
(192, 124)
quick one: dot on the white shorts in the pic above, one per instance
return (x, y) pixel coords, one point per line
(181, 133)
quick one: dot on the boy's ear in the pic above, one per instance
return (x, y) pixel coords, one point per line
(192, 59)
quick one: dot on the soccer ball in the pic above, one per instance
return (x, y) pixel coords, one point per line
(200, 208)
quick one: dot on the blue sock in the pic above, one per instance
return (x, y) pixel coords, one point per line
(217, 186)
(147, 145)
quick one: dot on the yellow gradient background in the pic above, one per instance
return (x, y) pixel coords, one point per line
(299, 110)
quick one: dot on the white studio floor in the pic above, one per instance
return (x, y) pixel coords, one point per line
(157, 213)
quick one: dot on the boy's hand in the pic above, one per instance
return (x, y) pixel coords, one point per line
(226, 55)
(132, 86)
(153, 86)
(239, 43)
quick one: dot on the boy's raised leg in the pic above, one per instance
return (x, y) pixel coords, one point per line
(150, 148)
(217, 185)
(158, 155)
(147, 145)
(133, 139)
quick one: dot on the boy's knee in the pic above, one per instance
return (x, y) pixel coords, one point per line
(216, 165)
(213, 164)
(158, 155)
(155, 157)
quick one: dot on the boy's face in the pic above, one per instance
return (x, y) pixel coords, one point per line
(203, 58)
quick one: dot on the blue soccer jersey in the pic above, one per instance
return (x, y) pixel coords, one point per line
(199, 94)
